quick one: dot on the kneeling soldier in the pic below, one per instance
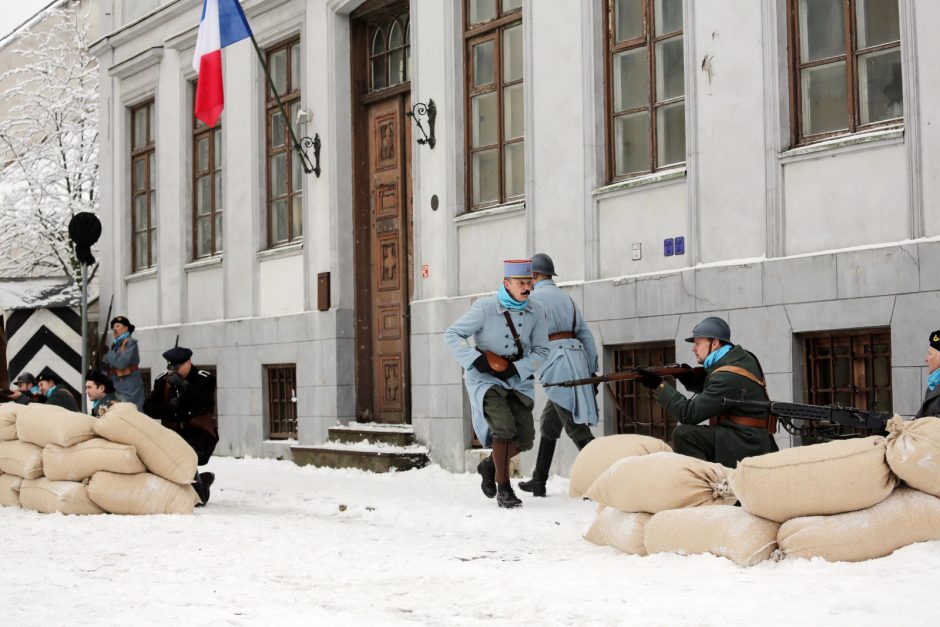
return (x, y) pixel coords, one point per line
(510, 344)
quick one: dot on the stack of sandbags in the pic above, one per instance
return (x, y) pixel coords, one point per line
(171, 464)
(817, 480)
(600, 453)
(68, 462)
(913, 452)
(633, 489)
(721, 530)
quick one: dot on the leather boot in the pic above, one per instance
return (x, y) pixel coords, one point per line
(505, 497)
(487, 470)
(543, 462)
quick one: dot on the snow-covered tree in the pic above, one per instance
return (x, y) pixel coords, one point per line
(48, 145)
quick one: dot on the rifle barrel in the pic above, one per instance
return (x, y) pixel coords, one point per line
(626, 375)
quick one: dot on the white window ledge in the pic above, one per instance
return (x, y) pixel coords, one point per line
(492, 212)
(844, 144)
(204, 263)
(141, 275)
(641, 181)
(281, 251)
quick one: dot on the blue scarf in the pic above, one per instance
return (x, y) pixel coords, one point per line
(508, 301)
(715, 355)
(120, 338)
(51, 390)
(933, 380)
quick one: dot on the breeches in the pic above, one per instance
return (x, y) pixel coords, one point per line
(509, 416)
(555, 417)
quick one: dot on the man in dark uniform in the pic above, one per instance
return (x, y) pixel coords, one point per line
(931, 404)
(27, 391)
(183, 399)
(730, 372)
(51, 386)
(100, 391)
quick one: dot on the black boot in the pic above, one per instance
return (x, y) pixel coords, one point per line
(203, 481)
(543, 462)
(505, 497)
(487, 470)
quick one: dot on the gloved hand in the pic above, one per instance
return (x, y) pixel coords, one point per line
(177, 381)
(692, 381)
(649, 379)
(595, 386)
(174, 405)
(481, 364)
(507, 374)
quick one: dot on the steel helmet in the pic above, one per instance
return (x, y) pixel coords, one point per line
(543, 264)
(711, 327)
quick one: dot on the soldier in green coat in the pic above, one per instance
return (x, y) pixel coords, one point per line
(730, 372)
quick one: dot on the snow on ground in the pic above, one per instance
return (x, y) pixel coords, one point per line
(281, 544)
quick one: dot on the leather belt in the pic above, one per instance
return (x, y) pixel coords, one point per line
(744, 421)
(123, 373)
(561, 335)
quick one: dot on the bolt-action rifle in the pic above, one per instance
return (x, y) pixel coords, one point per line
(630, 374)
(821, 420)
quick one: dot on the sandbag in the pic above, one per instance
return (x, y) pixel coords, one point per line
(621, 530)
(601, 452)
(81, 461)
(819, 479)
(162, 451)
(660, 481)
(47, 497)
(42, 424)
(905, 517)
(8, 413)
(10, 490)
(721, 530)
(143, 493)
(913, 452)
(21, 459)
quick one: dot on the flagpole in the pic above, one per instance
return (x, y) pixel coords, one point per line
(305, 160)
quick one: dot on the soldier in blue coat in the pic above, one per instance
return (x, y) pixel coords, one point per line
(573, 356)
(507, 326)
(123, 359)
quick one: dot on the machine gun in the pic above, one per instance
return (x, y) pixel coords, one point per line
(630, 374)
(821, 422)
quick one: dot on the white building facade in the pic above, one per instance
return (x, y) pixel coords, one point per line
(763, 161)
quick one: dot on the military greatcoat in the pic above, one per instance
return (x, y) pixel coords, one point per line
(570, 358)
(123, 360)
(487, 325)
(732, 442)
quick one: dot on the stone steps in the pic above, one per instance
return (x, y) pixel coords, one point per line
(366, 446)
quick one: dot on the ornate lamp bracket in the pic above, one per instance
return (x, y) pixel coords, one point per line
(429, 112)
(310, 166)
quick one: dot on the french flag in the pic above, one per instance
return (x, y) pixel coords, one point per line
(223, 23)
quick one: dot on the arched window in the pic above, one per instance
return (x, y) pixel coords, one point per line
(390, 52)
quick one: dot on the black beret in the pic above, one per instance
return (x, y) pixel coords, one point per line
(100, 378)
(47, 374)
(177, 355)
(935, 340)
(124, 321)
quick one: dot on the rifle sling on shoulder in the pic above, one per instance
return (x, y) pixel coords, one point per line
(770, 423)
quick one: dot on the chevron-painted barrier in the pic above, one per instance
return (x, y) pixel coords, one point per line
(37, 338)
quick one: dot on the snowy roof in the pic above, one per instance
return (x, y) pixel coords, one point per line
(38, 293)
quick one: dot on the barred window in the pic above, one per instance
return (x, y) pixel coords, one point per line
(850, 368)
(845, 67)
(282, 401)
(635, 411)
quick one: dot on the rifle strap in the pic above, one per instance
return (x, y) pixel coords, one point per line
(515, 335)
(771, 419)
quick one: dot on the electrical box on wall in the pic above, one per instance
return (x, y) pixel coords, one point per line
(680, 245)
(667, 247)
(637, 251)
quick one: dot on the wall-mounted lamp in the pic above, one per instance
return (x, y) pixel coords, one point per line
(306, 142)
(429, 112)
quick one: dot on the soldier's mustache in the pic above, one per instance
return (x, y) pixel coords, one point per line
(526, 292)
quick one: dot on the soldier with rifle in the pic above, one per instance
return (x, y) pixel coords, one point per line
(27, 390)
(123, 361)
(183, 399)
(573, 355)
(729, 372)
